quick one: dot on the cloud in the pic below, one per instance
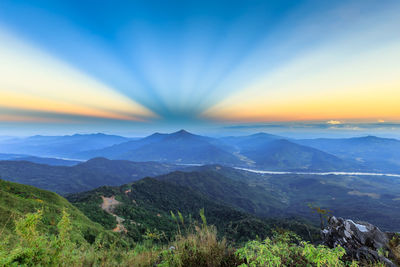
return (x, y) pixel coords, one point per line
(334, 122)
(318, 126)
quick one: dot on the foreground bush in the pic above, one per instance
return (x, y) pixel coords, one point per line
(286, 249)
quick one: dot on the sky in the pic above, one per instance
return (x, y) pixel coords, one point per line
(133, 67)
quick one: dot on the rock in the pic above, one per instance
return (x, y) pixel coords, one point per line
(361, 240)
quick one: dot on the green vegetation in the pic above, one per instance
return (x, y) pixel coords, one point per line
(286, 249)
(198, 247)
(394, 247)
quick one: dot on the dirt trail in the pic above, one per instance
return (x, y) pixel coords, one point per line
(108, 206)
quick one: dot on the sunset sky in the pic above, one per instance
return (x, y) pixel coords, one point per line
(139, 66)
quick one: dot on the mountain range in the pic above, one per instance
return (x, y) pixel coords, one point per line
(259, 151)
(178, 147)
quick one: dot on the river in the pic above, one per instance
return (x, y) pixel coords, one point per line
(320, 173)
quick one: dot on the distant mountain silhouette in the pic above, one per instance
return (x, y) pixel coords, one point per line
(59, 146)
(178, 147)
(382, 154)
(249, 142)
(261, 150)
(82, 177)
(47, 161)
(282, 154)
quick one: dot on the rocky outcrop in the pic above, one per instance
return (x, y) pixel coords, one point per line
(361, 240)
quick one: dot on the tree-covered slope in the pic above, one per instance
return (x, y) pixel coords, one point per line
(146, 205)
(252, 199)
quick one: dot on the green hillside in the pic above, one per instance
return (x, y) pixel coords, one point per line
(16, 200)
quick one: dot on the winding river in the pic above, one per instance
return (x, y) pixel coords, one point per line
(320, 173)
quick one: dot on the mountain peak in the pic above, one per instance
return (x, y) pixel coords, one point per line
(262, 134)
(156, 134)
(96, 160)
(182, 132)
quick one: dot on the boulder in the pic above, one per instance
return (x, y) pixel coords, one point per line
(361, 240)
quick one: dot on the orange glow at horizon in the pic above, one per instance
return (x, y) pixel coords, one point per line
(319, 88)
(33, 103)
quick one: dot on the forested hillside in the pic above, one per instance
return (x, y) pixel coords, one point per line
(148, 203)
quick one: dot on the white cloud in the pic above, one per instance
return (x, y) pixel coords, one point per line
(334, 122)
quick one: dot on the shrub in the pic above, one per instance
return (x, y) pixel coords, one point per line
(394, 246)
(286, 249)
(34, 248)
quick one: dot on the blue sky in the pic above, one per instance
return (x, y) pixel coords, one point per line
(135, 66)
